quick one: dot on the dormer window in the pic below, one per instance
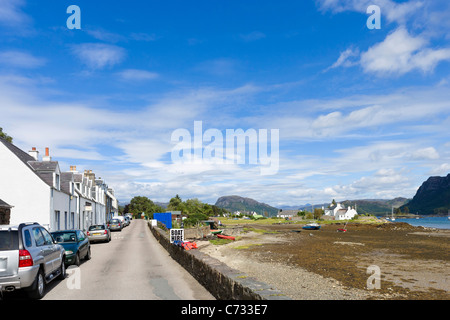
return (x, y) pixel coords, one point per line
(57, 182)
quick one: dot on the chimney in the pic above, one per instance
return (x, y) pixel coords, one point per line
(73, 169)
(34, 153)
(47, 155)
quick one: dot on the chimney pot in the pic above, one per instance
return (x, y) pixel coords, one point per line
(34, 153)
(47, 155)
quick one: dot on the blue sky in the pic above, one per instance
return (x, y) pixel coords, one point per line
(361, 113)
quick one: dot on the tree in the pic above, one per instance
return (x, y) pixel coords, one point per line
(141, 204)
(5, 136)
(175, 204)
(318, 213)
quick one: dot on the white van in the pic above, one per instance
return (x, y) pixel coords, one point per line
(122, 220)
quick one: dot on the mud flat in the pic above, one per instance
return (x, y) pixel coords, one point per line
(414, 262)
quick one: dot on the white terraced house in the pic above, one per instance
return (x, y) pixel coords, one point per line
(37, 191)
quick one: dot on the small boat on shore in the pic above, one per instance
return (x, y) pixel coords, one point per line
(311, 226)
(221, 236)
(216, 231)
(344, 229)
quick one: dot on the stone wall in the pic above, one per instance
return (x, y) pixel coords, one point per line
(223, 282)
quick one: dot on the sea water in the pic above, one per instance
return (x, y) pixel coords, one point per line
(428, 222)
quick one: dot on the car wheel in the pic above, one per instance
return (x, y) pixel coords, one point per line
(88, 254)
(62, 275)
(37, 289)
(77, 259)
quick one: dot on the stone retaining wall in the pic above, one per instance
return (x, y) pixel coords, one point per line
(223, 282)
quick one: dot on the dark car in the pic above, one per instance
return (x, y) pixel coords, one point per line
(76, 244)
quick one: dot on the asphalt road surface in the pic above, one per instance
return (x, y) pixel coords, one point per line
(133, 266)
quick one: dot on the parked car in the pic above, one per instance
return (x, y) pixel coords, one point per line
(29, 259)
(128, 220)
(122, 220)
(76, 244)
(99, 232)
(115, 224)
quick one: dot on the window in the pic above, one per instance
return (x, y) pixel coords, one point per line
(48, 238)
(57, 220)
(38, 237)
(57, 182)
(65, 220)
(27, 237)
(8, 240)
(80, 235)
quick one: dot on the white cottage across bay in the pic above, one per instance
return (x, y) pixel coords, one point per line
(339, 212)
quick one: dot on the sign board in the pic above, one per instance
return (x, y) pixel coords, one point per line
(176, 235)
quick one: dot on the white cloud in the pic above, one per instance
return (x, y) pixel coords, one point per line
(397, 55)
(20, 59)
(103, 35)
(99, 55)
(252, 36)
(440, 170)
(11, 13)
(345, 58)
(429, 153)
(218, 67)
(400, 53)
(137, 75)
(393, 11)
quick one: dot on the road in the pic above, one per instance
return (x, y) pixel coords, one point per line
(133, 266)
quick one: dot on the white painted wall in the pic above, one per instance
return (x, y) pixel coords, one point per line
(21, 188)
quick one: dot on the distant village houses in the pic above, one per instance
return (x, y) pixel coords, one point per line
(339, 212)
(36, 190)
(287, 214)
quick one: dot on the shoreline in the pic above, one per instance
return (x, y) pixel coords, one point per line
(414, 262)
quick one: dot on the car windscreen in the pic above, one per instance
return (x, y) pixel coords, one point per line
(114, 221)
(97, 227)
(62, 237)
(9, 240)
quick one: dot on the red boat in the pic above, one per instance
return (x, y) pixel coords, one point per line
(221, 236)
(344, 229)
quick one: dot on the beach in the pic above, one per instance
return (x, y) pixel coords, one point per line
(369, 261)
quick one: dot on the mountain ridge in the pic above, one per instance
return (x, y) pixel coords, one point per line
(432, 197)
(237, 203)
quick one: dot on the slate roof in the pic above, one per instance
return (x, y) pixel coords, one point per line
(3, 204)
(22, 155)
(44, 165)
(43, 169)
(66, 179)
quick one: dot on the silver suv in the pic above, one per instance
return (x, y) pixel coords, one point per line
(29, 259)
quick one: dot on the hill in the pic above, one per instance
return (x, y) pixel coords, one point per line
(433, 197)
(376, 206)
(237, 203)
